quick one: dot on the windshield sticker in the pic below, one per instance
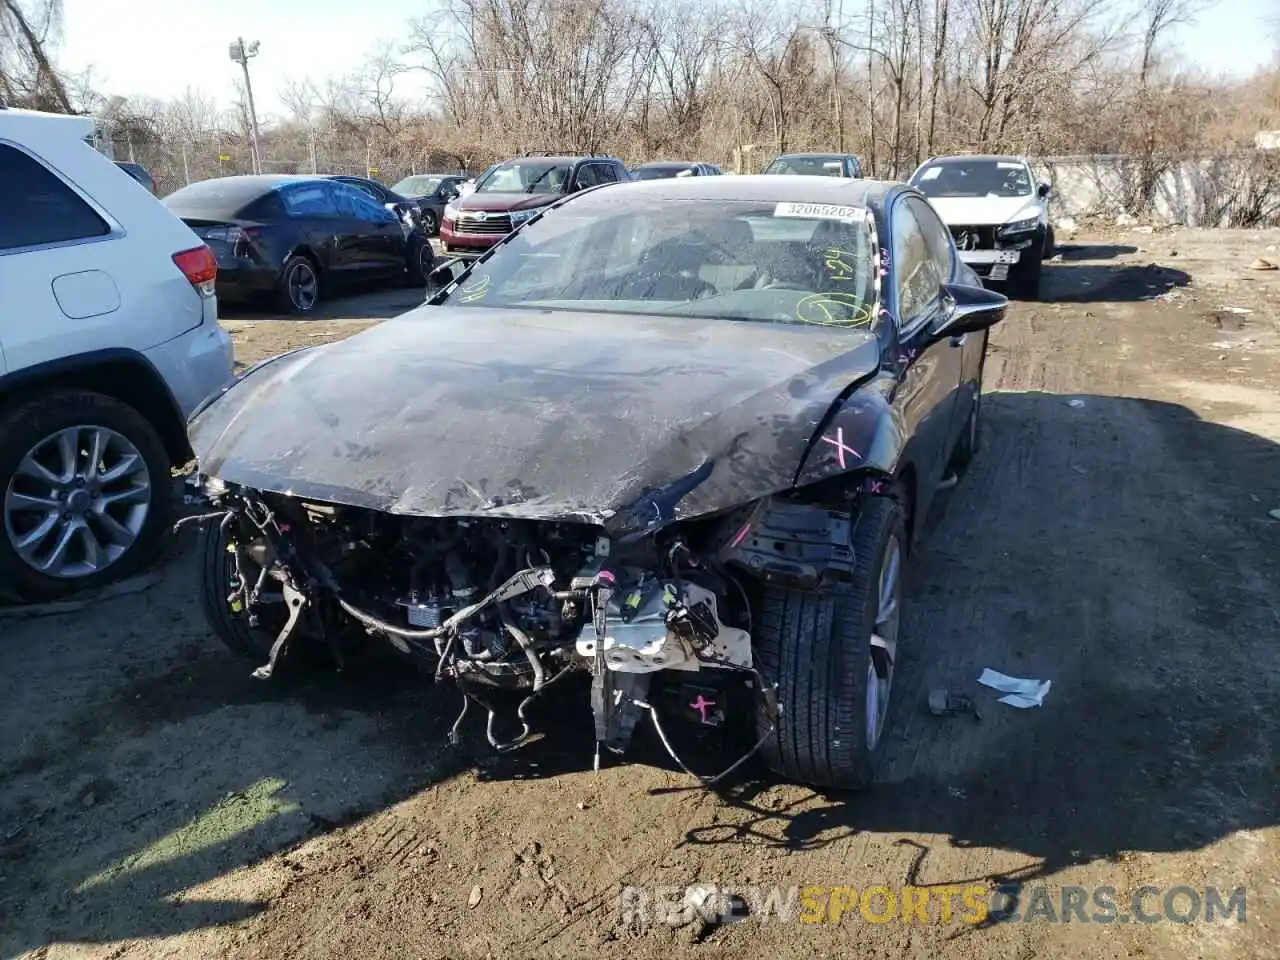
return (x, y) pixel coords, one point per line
(819, 211)
(933, 173)
(1008, 165)
(833, 310)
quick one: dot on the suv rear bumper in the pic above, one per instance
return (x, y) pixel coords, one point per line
(197, 363)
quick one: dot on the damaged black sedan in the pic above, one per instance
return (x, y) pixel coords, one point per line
(676, 436)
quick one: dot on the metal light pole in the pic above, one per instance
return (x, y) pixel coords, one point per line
(240, 53)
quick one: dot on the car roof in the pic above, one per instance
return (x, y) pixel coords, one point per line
(668, 163)
(759, 187)
(552, 158)
(963, 157)
(225, 196)
(781, 155)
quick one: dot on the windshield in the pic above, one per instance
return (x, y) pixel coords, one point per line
(733, 260)
(419, 186)
(525, 176)
(808, 166)
(973, 178)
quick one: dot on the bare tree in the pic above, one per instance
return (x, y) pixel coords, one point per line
(27, 75)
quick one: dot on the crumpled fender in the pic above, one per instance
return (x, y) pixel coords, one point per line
(863, 433)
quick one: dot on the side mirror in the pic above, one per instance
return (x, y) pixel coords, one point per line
(1043, 190)
(968, 309)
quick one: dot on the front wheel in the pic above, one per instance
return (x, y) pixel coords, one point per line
(832, 656)
(421, 260)
(1025, 277)
(228, 618)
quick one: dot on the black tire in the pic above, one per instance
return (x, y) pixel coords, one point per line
(22, 428)
(216, 570)
(970, 441)
(290, 297)
(1025, 277)
(430, 223)
(811, 644)
(421, 257)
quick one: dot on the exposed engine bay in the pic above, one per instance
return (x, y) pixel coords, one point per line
(519, 604)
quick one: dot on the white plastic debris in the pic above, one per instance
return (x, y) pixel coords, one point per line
(1075, 402)
(1274, 514)
(1019, 692)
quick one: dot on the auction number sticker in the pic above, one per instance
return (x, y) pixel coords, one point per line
(819, 211)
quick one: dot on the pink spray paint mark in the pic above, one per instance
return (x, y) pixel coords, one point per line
(701, 706)
(742, 535)
(838, 442)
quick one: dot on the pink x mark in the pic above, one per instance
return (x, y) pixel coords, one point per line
(701, 706)
(840, 445)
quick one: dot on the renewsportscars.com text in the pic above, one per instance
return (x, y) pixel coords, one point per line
(971, 904)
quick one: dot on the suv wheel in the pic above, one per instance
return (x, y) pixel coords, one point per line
(86, 498)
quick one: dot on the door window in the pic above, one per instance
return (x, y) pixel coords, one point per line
(37, 208)
(916, 272)
(589, 175)
(936, 236)
(358, 205)
(310, 200)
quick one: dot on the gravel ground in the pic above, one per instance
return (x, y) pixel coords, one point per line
(1114, 537)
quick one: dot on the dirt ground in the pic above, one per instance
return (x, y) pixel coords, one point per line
(1115, 537)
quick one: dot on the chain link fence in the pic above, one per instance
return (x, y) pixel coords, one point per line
(173, 165)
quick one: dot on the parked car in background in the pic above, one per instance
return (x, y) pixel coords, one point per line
(514, 191)
(720, 415)
(403, 207)
(662, 169)
(816, 164)
(997, 213)
(139, 173)
(292, 239)
(432, 192)
(109, 340)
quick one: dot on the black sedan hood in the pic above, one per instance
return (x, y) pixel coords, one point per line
(626, 421)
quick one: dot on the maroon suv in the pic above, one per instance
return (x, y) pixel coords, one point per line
(512, 192)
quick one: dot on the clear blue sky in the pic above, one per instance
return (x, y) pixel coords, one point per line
(160, 47)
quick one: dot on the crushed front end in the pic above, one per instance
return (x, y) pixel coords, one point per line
(993, 249)
(498, 603)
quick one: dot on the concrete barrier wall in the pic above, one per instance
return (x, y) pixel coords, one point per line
(1191, 193)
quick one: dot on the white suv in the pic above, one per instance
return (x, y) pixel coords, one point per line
(108, 341)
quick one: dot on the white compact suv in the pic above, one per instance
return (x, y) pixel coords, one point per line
(997, 214)
(108, 341)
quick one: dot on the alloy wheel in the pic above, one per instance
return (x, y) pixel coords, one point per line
(303, 286)
(884, 642)
(77, 501)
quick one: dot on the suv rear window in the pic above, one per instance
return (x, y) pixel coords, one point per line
(37, 208)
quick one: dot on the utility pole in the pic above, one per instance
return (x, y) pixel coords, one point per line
(240, 53)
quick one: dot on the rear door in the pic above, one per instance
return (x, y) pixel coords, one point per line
(334, 236)
(61, 263)
(380, 234)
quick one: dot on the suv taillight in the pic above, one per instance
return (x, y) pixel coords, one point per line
(200, 267)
